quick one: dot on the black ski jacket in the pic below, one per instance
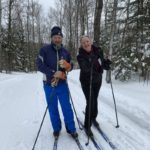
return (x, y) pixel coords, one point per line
(96, 59)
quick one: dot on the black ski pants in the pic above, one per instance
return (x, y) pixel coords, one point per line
(94, 102)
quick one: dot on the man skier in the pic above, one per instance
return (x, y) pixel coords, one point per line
(54, 61)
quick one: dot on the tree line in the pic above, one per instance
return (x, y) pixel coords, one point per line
(121, 28)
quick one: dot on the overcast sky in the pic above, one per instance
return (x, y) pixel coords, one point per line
(46, 4)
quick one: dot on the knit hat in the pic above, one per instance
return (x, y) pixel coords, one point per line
(56, 31)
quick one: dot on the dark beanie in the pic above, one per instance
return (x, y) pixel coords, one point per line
(56, 31)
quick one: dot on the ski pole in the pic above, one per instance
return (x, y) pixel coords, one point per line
(117, 126)
(108, 80)
(42, 121)
(89, 111)
(73, 106)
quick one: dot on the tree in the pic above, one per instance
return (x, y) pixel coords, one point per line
(0, 35)
(9, 49)
(124, 29)
(129, 41)
(97, 19)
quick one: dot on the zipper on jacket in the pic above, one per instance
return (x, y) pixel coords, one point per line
(57, 57)
(57, 60)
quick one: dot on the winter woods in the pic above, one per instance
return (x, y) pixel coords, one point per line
(122, 27)
(125, 31)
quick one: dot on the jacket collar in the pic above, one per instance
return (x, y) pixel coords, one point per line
(94, 50)
(55, 47)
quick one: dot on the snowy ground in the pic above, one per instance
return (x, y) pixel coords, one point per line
(22, 105)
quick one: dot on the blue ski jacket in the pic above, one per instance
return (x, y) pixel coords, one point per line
(47, 60)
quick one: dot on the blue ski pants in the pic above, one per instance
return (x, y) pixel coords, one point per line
(61, 93)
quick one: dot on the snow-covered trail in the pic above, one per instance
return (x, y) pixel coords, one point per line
(18, 110)
(133, 113)
(22, 105)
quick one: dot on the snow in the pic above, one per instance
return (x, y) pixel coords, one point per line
(22, 105)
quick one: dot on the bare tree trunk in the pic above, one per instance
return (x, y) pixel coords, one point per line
(38, 20)
(106, 15)
(77, 27)
(87, 19)
(70, 19)
(61, 14)
(125, 30)
(112, 32)
(97, 20)
(140, 38)
(20, 56)
(28, 37)
(106, 24)
(0, 15)
(0, 36)
(9, 39)
(113, 27)
(82, 16)
(33, 33)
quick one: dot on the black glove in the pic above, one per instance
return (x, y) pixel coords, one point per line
(106, 64)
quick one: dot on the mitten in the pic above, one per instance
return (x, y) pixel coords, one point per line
(107, 64)
(64, 64)
(60, 75)
(54, 82)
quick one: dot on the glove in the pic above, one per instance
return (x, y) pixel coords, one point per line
(107, 61)
(107, 64)
(60, 75)
(64, 64)
(54, 82)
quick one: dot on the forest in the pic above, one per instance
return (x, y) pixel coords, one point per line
(120, 27)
